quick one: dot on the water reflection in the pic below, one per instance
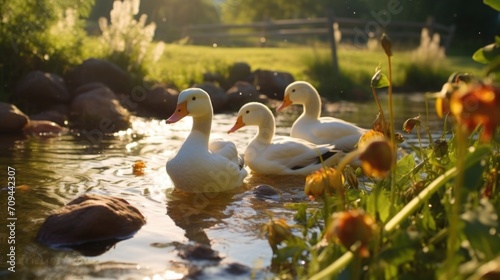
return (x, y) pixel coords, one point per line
(61, 168)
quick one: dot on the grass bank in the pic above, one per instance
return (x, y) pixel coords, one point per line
(183, 65)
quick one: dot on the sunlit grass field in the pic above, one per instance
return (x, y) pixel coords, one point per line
(183, 65)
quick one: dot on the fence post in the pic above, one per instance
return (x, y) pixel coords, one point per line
(333, 44)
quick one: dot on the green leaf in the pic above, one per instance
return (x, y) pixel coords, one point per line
(487, 53)
(427, 220)
(482, 229)
(378, 203)
(379, 80)
(404, 168)
(495, 4)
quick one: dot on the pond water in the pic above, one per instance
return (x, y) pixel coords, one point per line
(53, 171)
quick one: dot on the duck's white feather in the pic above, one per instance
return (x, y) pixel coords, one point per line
(313, 128)
(200, 165)
(281, 155)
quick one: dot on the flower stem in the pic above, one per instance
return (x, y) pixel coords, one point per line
(411, 207)
(393, 141)
(454, 216)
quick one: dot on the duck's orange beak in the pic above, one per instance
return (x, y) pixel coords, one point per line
(239, 124)
(286, 102)
(180, 112)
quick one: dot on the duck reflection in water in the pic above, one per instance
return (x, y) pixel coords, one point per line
(196, 212)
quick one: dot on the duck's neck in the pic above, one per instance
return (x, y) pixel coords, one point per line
(202, 125)
(266, 130)
(312, 106)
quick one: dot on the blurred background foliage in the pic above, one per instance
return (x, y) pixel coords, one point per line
(53, 36)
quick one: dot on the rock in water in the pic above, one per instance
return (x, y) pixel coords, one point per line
(11, 118)
(101, 71)
(38, 91)
(90, 218)
(97, 107)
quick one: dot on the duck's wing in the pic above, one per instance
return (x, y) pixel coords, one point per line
(227, 149)
(295, 153)
(343, 134)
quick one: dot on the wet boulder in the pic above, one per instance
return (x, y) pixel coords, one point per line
(57, 113)
(97, 107)
(11, 118)
(101, 71)
(39, 90)
(272, 83)
(39, 127)
(90, 218)
(217, 96)
(160, 102)
(239, 71)
(242, 93)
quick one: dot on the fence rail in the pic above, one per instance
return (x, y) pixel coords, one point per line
(351, 30)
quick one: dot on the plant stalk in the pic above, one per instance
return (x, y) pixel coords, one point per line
(411, 207)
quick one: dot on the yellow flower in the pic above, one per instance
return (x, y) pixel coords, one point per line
(351, 227)
(323, 180)
(369, 136)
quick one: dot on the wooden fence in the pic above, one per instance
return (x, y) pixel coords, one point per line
(352, 31)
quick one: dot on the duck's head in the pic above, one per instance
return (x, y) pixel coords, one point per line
(252, 113)
(193, 102)
(297, 93)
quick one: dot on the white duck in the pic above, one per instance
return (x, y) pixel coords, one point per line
(309, 126)
(199, 166)
(280, 155)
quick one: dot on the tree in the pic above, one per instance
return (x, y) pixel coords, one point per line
(39, 34)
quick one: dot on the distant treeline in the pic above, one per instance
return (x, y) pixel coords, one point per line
(476, 23)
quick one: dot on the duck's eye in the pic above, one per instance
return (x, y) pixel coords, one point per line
(293, 90)
(194, 98)
(248, 111)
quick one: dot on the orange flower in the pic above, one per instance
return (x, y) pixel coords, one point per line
(376, 154)
(477, 104)
(324, 179)
(443, 100)
(351, 227)
(138, 168)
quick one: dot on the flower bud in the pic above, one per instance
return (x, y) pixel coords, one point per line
(323, 180)
(440, 148)
(386, 44)
(410, 123)
(351, 227)
(376, 157)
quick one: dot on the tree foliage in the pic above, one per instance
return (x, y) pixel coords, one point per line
(40, 34)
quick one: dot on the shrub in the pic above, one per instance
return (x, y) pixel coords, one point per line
(39, 35)
(127, 41)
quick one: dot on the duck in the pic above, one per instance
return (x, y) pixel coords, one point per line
(201, 165)
(313, 128)
(267, 154)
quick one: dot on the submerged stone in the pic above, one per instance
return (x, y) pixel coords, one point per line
(266, 192)
(90, 218)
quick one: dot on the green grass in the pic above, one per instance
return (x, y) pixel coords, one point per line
(183, 65)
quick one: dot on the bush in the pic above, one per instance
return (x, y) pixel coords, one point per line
(39, 35)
